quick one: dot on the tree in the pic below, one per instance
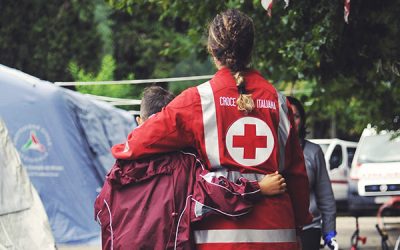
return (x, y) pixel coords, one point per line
(362, 65)
(353, 69)
(41, 37)
(355, 66)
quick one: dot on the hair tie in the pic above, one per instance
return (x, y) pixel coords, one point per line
(241, 88)
(220, 52)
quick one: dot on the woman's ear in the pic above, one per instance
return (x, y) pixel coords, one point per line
(139, 120)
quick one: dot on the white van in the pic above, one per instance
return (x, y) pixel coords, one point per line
(375, 170)
(338, 157)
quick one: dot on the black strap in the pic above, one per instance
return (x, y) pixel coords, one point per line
(241, 88)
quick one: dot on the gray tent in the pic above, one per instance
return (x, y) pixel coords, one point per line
(23, 220)
(64, 140)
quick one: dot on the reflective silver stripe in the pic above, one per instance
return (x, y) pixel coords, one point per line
(179, 220)
(245, 236)
(283, 129)
(210, 124)
(198, 209)
(201, 209)
(232, 175)
(111, 228)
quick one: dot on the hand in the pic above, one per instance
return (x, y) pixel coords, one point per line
(272, 184)
(333, 244)
(330, 240)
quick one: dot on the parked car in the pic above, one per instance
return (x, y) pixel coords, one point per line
(375, 172)
(338, 157)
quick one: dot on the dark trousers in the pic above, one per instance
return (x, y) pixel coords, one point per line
(311, 238)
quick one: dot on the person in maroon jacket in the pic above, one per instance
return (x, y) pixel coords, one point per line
(150, 203)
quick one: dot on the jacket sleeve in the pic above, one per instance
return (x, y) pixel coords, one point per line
(218, 195)
(166, 131)
(324, 194)
(296, 176)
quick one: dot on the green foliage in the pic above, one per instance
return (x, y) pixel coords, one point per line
(106, 73)
(350, 72)
(145, 43)
(41, 37)
(102, 12)
(362, 65)
(195, 67)
(355, 66)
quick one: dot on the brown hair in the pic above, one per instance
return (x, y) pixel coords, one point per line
(230, 41)
(154, 99)
(302, 128)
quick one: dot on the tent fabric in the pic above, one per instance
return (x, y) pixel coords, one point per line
(23, 220)
(64, 140)
(101, 126)
(13, 178)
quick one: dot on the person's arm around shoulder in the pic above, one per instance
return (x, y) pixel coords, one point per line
(167, 131)
(222, 196)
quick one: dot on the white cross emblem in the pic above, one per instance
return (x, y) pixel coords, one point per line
(249, 141)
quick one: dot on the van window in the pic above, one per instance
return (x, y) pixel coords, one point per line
(336, 158)
(350, 155)
(379, 148)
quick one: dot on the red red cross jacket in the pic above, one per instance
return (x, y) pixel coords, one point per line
(234, 144)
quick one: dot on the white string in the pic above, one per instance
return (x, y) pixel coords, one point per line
(172, 79)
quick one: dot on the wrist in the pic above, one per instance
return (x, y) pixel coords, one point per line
(250, 194)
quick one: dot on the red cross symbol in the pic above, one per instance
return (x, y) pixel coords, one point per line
(249, 141)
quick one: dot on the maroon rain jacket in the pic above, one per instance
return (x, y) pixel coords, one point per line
(150, 203)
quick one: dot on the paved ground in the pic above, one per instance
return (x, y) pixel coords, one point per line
(345, 227)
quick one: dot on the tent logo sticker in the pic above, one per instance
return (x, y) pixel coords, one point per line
(32, 142)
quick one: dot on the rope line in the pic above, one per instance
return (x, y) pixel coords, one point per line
(157, 80)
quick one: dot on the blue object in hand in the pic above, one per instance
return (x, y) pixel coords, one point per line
(329, 239)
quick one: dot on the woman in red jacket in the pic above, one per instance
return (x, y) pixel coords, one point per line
(242, 127)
